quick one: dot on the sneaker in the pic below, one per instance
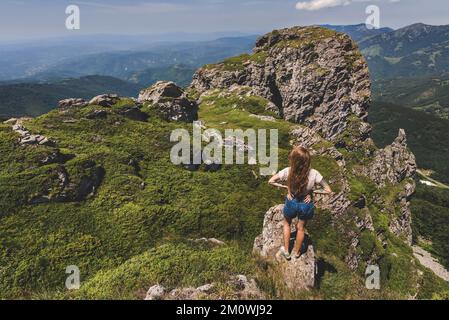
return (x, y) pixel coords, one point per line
(285, 254)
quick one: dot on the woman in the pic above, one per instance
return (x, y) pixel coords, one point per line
(301, 179)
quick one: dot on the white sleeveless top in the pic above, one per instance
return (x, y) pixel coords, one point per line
(314, 178)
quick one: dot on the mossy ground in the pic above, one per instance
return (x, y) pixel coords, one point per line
(134, 232)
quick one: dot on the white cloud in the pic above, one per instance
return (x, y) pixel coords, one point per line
(313, 5)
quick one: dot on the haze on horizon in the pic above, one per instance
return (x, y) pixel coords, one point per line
(40, 19)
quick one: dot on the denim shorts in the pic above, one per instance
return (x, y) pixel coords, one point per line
(298, 209)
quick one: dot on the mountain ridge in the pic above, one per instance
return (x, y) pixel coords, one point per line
(143, 217)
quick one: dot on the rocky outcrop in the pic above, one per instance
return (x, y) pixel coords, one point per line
(26, 138)
(105, 100)
(297, 274)
(314, 76)
(170, 101)
(393, 164)
(72, 103)
(240, 287)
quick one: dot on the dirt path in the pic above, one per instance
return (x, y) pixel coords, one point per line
(426, 259)
(437, 183)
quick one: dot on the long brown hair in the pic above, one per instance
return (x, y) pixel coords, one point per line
(298, 177)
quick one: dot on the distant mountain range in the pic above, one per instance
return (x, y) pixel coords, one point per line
(358, 32)
(414, 51)
(50, 64)
(409, 66)
(33, 99)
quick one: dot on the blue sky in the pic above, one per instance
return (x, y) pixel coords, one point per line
(46, 18)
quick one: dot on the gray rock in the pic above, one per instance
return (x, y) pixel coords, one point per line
(297, 274)
(170, 102)
(313, 76)
(72, 103)
(105, 100)
(155, 293)
(159, 91)
(207, 288)
(26, 138)
(240, 286)
(393, 164)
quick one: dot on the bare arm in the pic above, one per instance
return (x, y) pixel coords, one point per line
(326, 188)
(273, 182)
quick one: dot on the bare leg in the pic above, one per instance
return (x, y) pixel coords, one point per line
(287, 233)
(299, 236)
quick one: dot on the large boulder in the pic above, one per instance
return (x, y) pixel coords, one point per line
(313, 75)
(170, 102)
(160, 90)
(297, 274)
(105, 100)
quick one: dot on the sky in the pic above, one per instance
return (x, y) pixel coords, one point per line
(39, 19)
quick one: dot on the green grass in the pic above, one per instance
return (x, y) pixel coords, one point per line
(132, 233)
(171, 265)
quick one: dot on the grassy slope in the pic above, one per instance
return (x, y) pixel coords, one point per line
(122, 220)
(127, 238)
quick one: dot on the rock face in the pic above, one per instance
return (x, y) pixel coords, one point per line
(393, 164)
(298, 273)
(170, 101)
(313, 76)
(240, 288)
